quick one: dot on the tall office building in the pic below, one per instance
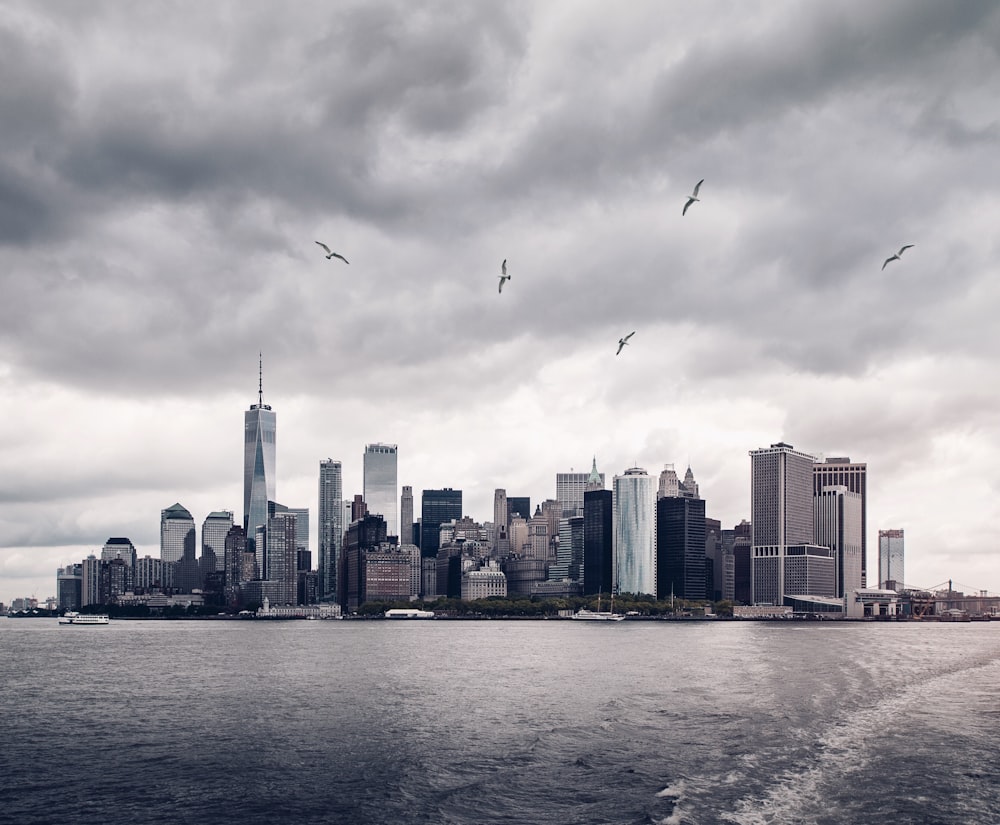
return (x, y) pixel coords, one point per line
(501, 523)
(854, 476)
(380, 488)
(635, 532)
(598, 540)
(119, 547)
(330, 529)
(570, 488)
(837, 513)
(281, 566)
(437, 507)
(176, 533)
(214, 530)
(680, 548)
(406, 516)
(781, 517)
(518, 506)
(890, 559)
(569, 558)
(301, 529)
(259, 432)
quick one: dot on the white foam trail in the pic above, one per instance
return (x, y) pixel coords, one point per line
(675, 790)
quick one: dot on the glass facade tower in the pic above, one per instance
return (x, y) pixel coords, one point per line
(635, 532)
(331, 526)
(890, 559)
(259, 432)
(380, 488)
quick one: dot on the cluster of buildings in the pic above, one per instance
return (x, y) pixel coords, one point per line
(805, 542)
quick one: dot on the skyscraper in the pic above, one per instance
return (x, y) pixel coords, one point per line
(259, 432)
(598, 535)
(890, 559)
(119, 547)
(281, 556)
(437, 507)
(781, 517)
(680, 548)
(501, 523)
(214, 530)
(635, 532)
(380, 489)
(854, 476)
(406, 516)
(569, 491)
(176, 533)
(838, 526)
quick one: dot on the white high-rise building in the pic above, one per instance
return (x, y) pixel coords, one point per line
(634, 532)
(570, 488)
(331, 527)
(853, 475)
(890, 559)
(380, 489)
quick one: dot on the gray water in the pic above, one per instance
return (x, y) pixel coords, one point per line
(499, 722)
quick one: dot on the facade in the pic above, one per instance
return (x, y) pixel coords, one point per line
(387, 574)
(437, 507)
(153, 575)
(519, 505)
(90, 581)
(670, 486)
(484, 582)
(781, 515)
(853, 475)
(176, 533)
(634, 499)
(680, 548)
(838, 523)
(742, 590)
(598, 541)
(406, 516)
(501, 524)
(259, 436)
(570, 488)
(330, 530)
(119, 548)
(890, 559)
(281, 554)
(569, 557)
(214, 530)
(69, 583)
(301, 529)
(380, 486)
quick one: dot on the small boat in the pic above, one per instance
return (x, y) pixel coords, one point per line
(585, 615)
(72, 617)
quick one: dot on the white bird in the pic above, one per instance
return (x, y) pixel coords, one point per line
(623, 342)
(693, 196)
(503, 275)
(332, 254)
(897, 255)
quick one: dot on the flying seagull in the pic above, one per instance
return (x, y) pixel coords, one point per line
(503, 274)
(897, 255)
(623, 342)
(693, 196)
(332, 254)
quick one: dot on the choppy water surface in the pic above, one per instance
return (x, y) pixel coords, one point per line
(499, 722)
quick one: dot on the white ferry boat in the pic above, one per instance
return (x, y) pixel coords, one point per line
(72, 617)
(404, 613)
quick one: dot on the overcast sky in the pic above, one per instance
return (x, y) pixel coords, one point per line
(166, 168)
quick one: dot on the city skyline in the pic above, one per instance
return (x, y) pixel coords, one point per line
(166, 179)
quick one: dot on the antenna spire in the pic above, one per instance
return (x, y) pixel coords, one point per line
(260, 379)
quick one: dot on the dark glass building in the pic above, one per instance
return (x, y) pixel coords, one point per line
(437, 507)
(597, 542)
(680, 548)
(518, 506)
